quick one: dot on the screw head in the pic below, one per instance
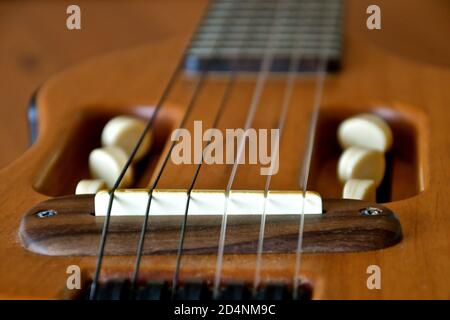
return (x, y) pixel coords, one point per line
(46, 213)
(371, 211)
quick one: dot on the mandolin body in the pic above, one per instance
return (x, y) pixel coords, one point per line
(376, 76)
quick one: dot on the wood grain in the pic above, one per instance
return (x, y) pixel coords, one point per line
(374, 74)
(74, 230)
(35, 44)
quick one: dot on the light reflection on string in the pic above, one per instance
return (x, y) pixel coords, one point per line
(262, 77)
(304, 174)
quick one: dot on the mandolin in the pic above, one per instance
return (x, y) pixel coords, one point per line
(239, 195)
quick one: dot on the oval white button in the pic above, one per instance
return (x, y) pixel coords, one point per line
(367, 131)
(359, 189)
(124, 132)
(361, 163)
(106, 163)
(90, 186)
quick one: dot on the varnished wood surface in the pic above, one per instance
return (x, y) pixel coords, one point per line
(74, 230)
(35, 44)
(373, 74)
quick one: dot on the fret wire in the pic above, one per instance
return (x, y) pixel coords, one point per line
(263, 36)
(292, 14)
(262, 24)
(319, 19)
(282, 46)
(236, 30)
(285, 49)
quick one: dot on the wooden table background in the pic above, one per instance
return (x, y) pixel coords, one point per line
(35, 43)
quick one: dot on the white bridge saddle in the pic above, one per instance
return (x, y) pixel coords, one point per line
(133, 202)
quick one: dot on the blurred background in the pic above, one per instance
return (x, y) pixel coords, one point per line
(35, 43)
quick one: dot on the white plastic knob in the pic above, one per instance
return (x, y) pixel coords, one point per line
(365, 130)
(106, 163)
(124, 132)
(359, 189)
(90, 186)
(361, 163)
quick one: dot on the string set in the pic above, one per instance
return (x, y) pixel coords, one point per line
(261, 79)
(292, 75)
(223, 102)
(304, 174)
(263, 74)
(149, 125)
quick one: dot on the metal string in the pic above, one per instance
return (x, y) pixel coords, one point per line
(303, 180)
(183, 227)
(262, 77)
(139, 250)
(293, 69)
(149, 125)
(255, 102)
(292, 75)
(105, 227)
(223, 103)
(144, 228)
(304, 174)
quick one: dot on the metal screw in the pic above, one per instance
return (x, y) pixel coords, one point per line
(46, 213)
(371, 211)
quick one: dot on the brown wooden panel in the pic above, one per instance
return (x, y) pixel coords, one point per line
(71, 229)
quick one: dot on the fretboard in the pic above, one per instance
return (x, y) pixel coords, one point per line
(237, 34)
